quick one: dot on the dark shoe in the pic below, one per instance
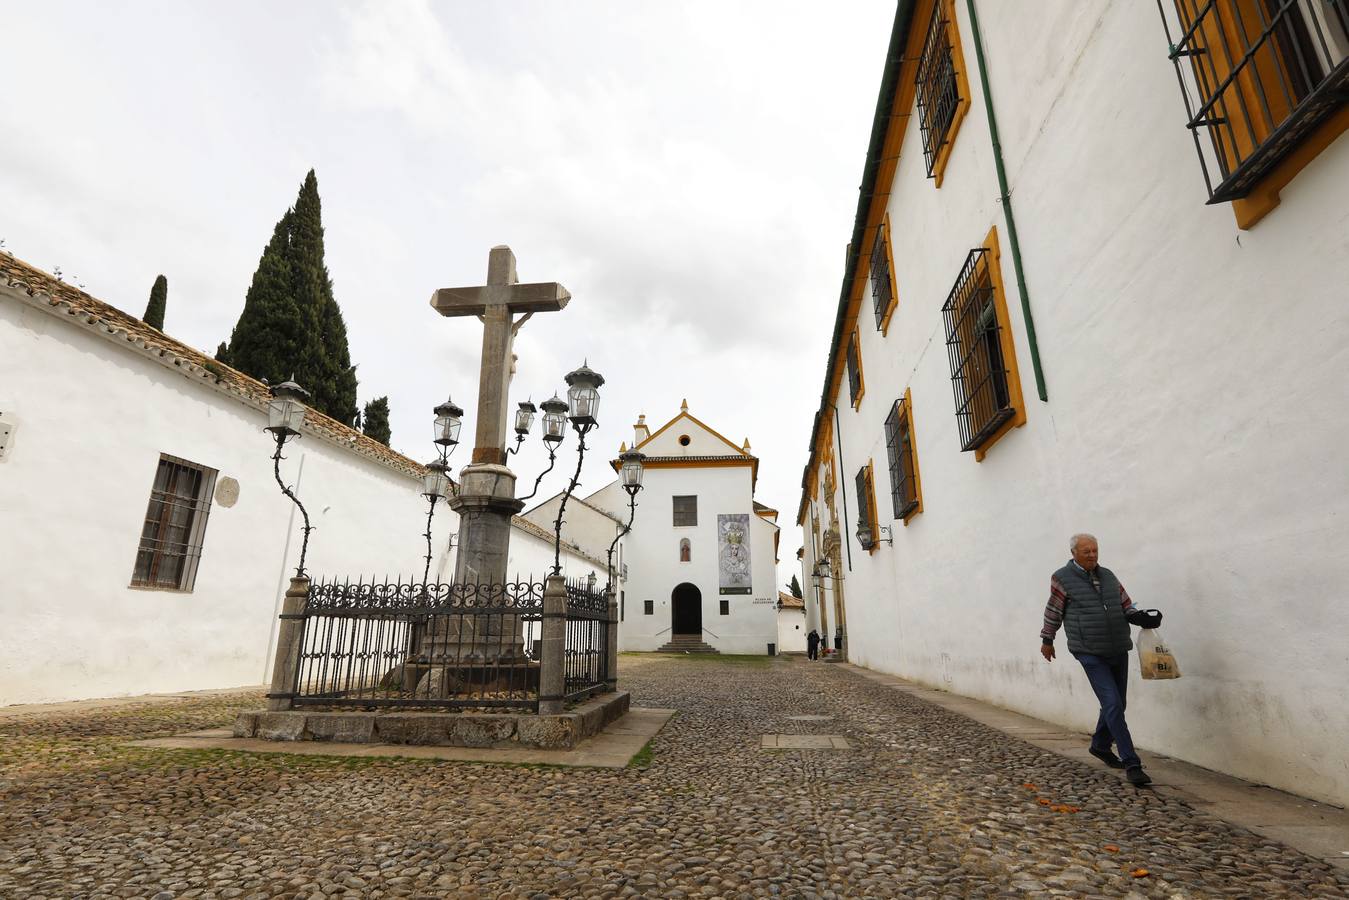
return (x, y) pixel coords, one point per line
(1137, 777)
(1107, 757)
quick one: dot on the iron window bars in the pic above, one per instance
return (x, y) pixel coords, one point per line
(938, 90)
(899, 445)
(882, 293)
(686, 510)
(974, 346)
(866, 504)
(1261, 75)
(175, 525)
(854, 372)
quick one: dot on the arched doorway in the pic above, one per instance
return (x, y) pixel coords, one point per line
(686, 610)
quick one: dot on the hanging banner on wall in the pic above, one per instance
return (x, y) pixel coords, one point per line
(733, 553)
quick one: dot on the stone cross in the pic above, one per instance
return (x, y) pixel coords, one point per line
(496, 304)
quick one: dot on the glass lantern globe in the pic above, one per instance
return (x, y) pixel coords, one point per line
(436, 481)
(524, 417)
(583, 393)
(863, 533)
(285, 412)
(554, 419)
(449, 419)
(591, 579)
(632, 469)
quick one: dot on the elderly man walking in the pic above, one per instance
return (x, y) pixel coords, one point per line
(1091, 605)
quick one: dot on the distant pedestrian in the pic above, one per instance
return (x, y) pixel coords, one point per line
(1095, 612)
(813, 644)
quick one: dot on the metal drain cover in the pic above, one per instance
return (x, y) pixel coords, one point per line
(804, 742)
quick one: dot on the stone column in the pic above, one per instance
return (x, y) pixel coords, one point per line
(611, 634)
(288, 640)
(552, 675)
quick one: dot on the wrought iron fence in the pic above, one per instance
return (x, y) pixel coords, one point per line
(402, 643)
(586, 654)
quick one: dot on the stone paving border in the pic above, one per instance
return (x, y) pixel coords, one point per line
(24, 710)
(612, 748)
(1316, 829)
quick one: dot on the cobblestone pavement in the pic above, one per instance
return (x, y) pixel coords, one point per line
(927, 804)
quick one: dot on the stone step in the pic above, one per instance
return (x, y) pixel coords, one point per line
(686, 643)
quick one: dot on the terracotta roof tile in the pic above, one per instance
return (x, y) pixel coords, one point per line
(89, 312)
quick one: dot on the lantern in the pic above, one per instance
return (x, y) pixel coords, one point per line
(436, 481)
(554, 419)
(632, 470)
(449, 419)
(524, 417)
(285, 412)
(583, 393)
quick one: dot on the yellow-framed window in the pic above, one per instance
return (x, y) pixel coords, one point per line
(982, 354)
(884, 295)
(906, 491)
(856, 384)
(1264, 84)
(943, 90)
(866, 505)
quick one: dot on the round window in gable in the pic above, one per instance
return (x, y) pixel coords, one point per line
(683, 440)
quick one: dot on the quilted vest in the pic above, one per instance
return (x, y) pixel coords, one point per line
(1093, 621)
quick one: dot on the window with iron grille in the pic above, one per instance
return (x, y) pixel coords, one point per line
(974, 345)
(648, 607)
(174, 526)
(938, 87)
(725, 607)
(882, 285)
(1256, 76)
(854, 371)
(903, 473)
(686, 510)
(866, 503)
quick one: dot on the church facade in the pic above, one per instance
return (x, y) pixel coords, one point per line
(701, 557)
(1065, 311)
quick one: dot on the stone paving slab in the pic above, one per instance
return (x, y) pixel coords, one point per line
(804, 742)
(612, 748)
(1317, 829)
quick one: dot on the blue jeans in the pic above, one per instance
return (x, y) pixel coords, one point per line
(1109, 677)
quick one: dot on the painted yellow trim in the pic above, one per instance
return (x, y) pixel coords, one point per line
(962, 85)
(1261, 201)
(861, 379)
(1008, 346)
(871, 508)
(685, 414)
(894, 290)
(913, 442)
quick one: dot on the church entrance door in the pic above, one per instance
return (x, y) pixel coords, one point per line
(686, 604)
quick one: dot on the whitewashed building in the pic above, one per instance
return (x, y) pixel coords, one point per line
(792, 627)
(1064, 310)
(701, 558)
(145, 541)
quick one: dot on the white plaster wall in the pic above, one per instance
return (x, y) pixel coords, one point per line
(586, 526)
(1196, 419)
(92, 418)
(792, 630)
(654, 569)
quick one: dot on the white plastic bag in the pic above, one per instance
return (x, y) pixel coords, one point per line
(1155, 660)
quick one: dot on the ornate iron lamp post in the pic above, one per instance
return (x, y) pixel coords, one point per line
(524, 421)
(554, 430)
(436, 483)
(583, 395)
(285, 415)
(631, 471)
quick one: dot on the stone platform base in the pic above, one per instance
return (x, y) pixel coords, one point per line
(450, 729)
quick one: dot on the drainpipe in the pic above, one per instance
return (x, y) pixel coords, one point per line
(1006, 200)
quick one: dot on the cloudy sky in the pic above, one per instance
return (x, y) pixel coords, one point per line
(687, 170)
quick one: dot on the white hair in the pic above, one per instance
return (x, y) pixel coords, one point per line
(1073, 541)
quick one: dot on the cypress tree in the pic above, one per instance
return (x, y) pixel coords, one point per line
(291, 325)
(377, 420)
(795, 588)
(159, 298)
(222, 353)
